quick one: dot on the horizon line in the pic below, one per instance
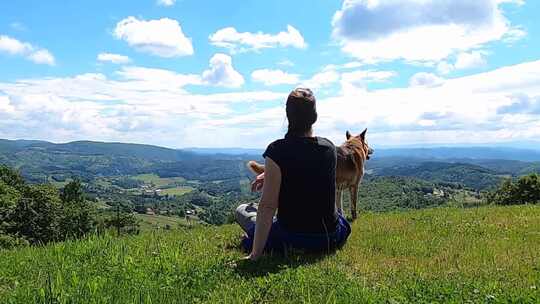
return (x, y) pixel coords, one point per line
(516, 145)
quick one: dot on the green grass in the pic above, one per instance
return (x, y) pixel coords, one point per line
(446, 255)
(152, 222)
(59, 184)
(158, 181)
(178, 191)
(169, 185)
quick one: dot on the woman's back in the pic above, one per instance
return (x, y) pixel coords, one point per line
(307, 192)
(300, 182)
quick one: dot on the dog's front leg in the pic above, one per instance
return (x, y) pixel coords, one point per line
(354, 197)
(339, 206)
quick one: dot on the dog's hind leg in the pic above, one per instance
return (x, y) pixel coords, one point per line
(339, 206)
(354, 198)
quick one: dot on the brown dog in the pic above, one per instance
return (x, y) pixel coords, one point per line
(351, 157)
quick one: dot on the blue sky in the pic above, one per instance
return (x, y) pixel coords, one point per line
(215, 74)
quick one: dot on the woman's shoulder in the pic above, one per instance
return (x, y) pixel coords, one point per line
(323, 141)
(284, 143)
(277, 143)
(274, 149)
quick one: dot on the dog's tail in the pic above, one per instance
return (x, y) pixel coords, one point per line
(255, 167)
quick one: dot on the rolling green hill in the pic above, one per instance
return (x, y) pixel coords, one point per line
(147, 152)
(468, 175)
(442, 255)
(40, 161)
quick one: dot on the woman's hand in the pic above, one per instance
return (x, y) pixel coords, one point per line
(258, 183)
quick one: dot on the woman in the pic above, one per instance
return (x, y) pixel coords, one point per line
(299, 182)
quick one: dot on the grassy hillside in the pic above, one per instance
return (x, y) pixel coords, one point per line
(484, 255)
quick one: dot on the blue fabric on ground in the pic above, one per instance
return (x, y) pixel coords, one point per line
(279, 239)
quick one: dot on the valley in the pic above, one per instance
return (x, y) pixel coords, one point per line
(207, 184)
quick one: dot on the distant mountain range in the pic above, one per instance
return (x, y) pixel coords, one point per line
(229, 151)
(463, 153)
(39, 161)
(156, 152)
(89, 148)
(441, 153)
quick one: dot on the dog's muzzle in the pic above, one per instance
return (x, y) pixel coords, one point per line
(370, 151)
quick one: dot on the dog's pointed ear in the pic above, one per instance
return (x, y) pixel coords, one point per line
(363, 134)
(347, 135)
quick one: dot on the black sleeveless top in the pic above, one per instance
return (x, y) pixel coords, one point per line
(308, 183)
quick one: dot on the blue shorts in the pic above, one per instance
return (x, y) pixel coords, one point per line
(279, 239)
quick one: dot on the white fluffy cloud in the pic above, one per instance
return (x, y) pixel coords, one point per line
(158, 79)
(274, 77)
(235, 41)
(496, 106)
(222, 72)
(522, 104)
(444, 67)
(423, 79)
(459, 110)
(321, 79)
(470, 60)
(13, 46)
(368, 75)
(464, 61)
(413, 30)
(351, 81)
(113, 58)
(42, 57)
(162, 37)
(5, 105)
(327, 77)
(153, 106)
(166, 2)
(139, 105)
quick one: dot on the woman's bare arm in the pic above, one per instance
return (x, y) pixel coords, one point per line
(267, 207)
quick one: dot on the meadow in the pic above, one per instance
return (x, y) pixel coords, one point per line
(153, 222)
(440, 255)
(158, 181)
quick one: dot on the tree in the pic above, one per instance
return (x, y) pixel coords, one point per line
(122, 222)
(11, 185)
(78, 216)
(11, 177)
(37, 214)
(9, 196)
(526, 190)
(72, 192)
